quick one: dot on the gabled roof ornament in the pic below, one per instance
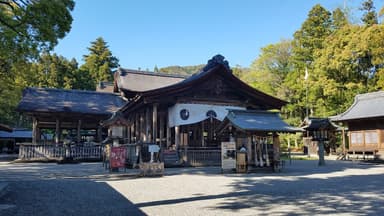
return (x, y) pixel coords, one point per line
(215, 60)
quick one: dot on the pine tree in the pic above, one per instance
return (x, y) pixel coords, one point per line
(100, 61)
(369, 17)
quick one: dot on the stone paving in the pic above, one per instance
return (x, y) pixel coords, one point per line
(302, 188)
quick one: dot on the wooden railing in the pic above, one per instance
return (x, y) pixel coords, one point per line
(201, 156)
(28, 151)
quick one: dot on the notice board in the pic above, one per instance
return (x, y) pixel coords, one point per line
(228, 155)
(117, 158)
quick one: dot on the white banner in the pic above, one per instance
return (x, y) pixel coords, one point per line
(183, 114)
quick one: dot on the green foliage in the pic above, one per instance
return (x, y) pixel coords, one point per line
(182, 70)
(342, 60)
(369, 17)
(269, 71)
(26, 29)
(100, 62)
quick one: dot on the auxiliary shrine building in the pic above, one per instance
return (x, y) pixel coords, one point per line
(180, 114)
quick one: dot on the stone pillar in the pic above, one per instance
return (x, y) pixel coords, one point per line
(154, 123)
(321, 152)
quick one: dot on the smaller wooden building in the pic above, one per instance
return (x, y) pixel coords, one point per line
(79, 113)
(365, 122)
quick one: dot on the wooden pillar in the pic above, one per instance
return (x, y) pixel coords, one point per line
(161, 129)
(202, 134)
(99, 134)
(276, 147)
(34, 130)
(168, 134)
(78, 131)
(249, 149)
(154, 123)
(148, 125)
(142, 134)
(177, 137)
(57, 131)
(343, 139)
(136, 127)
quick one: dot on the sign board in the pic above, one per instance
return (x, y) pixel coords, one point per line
(153, 148)
(117, 158)
(228, 155)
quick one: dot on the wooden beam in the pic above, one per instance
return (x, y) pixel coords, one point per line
(177, 137)
(57, 131)
(148, 125)
(154, 123)
(161, 129)
(142, 127)
(168, 134)
(34, 130)
(78, 131)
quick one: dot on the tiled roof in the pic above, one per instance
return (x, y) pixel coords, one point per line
(369, 105)
(140, 81)
(16, 133)
(259, 121)
(4, 127)
(68, 101)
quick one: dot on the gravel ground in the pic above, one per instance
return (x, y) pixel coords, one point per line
(302, 188)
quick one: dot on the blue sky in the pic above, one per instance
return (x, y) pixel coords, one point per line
(145, 33)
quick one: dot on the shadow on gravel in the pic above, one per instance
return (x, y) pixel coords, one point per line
(67, 197)
(315, 192)
(302, 189)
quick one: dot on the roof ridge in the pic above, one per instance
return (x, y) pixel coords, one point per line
(69, 90)
(150, 73)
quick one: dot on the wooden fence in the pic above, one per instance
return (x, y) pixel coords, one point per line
(201, 156)
(28, 151)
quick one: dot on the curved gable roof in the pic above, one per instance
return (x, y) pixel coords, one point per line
(50, 100)
(216, 65)
(140, 81)
(365, 106)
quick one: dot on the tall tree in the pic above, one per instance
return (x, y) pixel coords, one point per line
(311, 35)
(339, 19)
(26, 28)
(369, 17)
(307, 43)
(269, 70)
(100, 61)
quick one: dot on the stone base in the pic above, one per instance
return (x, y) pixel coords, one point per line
(151, 169)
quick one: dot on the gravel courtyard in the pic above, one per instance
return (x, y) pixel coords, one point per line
(302, 188)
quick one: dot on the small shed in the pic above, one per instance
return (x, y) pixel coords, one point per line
(76, 111)
(259, 129)
(310, 126)
(10, 139)
(365, 122)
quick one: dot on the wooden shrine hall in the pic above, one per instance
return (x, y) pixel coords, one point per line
(78, 113)
(192, 116)
(187, 117)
